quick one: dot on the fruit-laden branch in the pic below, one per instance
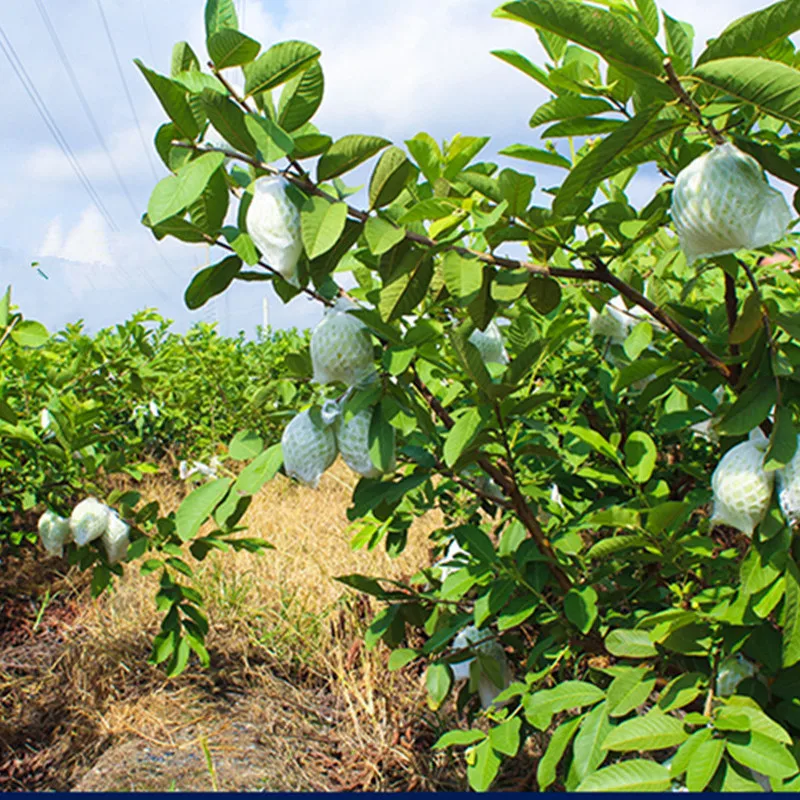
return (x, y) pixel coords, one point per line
(504, 478)
(686, 99)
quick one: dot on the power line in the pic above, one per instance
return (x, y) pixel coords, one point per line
(64, 58)
(125, 87)
(52, 125)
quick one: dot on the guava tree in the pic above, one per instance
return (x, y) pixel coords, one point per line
(589, 593)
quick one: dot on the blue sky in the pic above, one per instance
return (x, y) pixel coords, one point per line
(391, 69)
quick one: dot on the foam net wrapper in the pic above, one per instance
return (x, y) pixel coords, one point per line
(352, 439)
(487, 688)
(341, 348)
(273, 223)
(615, 321)
(54, 532)
(789, 488)
(742, 489)
(490, 344)
(88, 521)
(722, 203)
(116, 538)
(308, 449)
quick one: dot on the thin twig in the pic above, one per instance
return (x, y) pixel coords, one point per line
(686, 99)
(8, 330)
(731, 306)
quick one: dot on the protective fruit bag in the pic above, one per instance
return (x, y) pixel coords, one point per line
(490, 344)
(341, 348)
(309, 448)
(88, 521)
(54, 532)
(352, 439)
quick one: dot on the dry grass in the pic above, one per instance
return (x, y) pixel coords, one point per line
(287, 664)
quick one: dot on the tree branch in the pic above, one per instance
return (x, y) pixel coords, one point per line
(686, 99)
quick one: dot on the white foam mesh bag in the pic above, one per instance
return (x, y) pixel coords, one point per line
(722, 203)
(273, 223)
(789, 488)
(615, 321)
(352, 439)
(54, 532)
(487, 688)
(490, 344)
(742, 489)
(341, 348)
(308, 449)
(116, 538)
(88, 521)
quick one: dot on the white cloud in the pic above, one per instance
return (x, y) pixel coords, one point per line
(88, 241)
(53, 240)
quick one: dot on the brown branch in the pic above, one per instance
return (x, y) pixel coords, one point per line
(731, 306)
(686, 99)
(504, 478)
(9, 330)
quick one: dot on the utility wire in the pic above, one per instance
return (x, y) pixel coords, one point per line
(125, 87)
(52, 125)
(64, 58)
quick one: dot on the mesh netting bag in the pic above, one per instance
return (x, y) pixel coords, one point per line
(742, 489)
(341, 348)
(615, 321)
(54, 532)
(454, 559)
(309, 448)
(789, 488)
(732, 671)
(88, 521)
(352, 439)
(488, 688)
(722, 203)
(273, 223)
(490, 344)
(116, 538)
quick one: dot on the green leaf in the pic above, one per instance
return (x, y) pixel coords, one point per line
(382, 235)
(754, 32)
(640, 456)
(638, 340)
(587, 752)
(544, 294)
(400, 658)
(245, 445)
(348, 152)
(301, 97)
(260, 470)
(783, 442)
(597, 164)
(219, 15)
(540, 706)
(456, 738)
(649, 12)
(521, 63)
(281, 63)
(655, 731)
(183, 59)
(557, 746)
(196, 508)
(272, 141)
(636, 775)
(389, 177)
(681, 691)
(207, 213)
(431, 208)
(30, 333)
(505, 737)
(629, 690)
(408, 288)
(482, 766)
(770, 86)
(630, 644)
(750, 409)
(230, 48)
(322, 223)
(569, 107)
(614, 544)
(461, 435)
(211, 281)
(791, 624)
(516, 189)
(241, 242)
(427, 154)
(462, 276)
(172, 97)
(618, 40)
(438, 679)
(175, 193)
(460, 151)
(580, 607)
(381, 440)
(679, 36)
(229, 120)
(761, 753)
(596, 442)
(536, 155)
(749, 321)
(472, 361)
